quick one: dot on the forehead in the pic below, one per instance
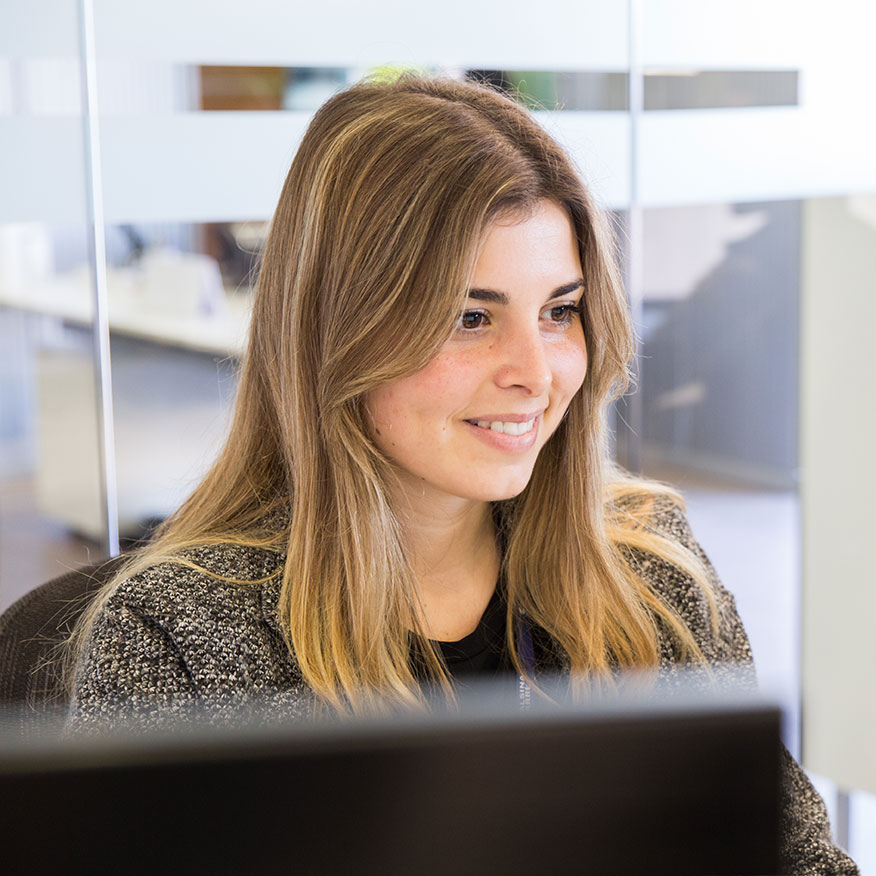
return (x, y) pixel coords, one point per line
(538, 246)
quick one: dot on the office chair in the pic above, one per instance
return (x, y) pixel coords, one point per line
(31, 630)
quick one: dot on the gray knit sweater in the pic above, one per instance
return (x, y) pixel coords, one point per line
(173, 641)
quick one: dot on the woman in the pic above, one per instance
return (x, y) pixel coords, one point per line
(416, 483)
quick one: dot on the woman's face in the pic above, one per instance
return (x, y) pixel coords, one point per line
(472, 422)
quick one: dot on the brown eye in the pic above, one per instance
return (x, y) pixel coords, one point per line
(472, 319)
(563, 314)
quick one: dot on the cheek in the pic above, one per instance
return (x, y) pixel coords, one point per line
(442, 388)
(385, 414)
(438, 379)
(570, 368)
(436, 392)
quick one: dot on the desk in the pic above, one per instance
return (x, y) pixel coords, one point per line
(173, 381)
(132, 312)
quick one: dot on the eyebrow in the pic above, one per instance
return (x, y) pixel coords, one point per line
(501, 298)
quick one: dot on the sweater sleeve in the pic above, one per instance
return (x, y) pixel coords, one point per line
(131, 675)
(807, 847)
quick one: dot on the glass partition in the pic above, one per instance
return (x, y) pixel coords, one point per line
(52, 515)
(719, 389)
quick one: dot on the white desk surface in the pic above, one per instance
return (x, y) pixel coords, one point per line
(133, 313)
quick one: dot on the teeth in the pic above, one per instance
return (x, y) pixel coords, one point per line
(507, 428)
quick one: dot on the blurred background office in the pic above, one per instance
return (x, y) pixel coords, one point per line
(142, 149)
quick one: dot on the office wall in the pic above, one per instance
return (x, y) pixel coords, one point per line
(838, 422)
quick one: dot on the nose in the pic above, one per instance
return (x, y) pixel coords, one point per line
(523, 362)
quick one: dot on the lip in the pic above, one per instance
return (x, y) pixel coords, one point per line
(506, 418)
(508, 443)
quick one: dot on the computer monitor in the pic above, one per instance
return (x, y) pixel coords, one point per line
(605, 789)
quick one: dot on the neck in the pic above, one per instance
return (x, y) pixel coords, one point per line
(455, 559)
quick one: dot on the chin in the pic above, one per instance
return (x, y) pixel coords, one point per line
(508, 490)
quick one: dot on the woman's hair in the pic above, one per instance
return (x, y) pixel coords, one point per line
(366, 268)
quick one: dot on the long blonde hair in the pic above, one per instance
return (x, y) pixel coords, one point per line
(379, 222)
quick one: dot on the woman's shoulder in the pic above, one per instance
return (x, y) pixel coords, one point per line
(194, 628)
(210, 610)
(650, 524)
(194, 580)
(661, 548)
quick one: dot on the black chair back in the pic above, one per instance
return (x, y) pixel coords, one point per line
(32, 633)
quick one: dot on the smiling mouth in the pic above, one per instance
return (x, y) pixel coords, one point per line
(505, 428)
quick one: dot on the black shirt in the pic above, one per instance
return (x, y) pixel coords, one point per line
(483, 650)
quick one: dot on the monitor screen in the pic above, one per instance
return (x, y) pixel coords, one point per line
(674, 789)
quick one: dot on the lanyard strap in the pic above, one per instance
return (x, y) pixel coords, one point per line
(526, 652)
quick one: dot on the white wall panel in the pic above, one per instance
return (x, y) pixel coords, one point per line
(732, 155)
(39, 29)
(838, 420)
(599, 142)
(553, 34)
(48, 87)
(197, 167)
(726, 34)
(41, 169)
(8, 95)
